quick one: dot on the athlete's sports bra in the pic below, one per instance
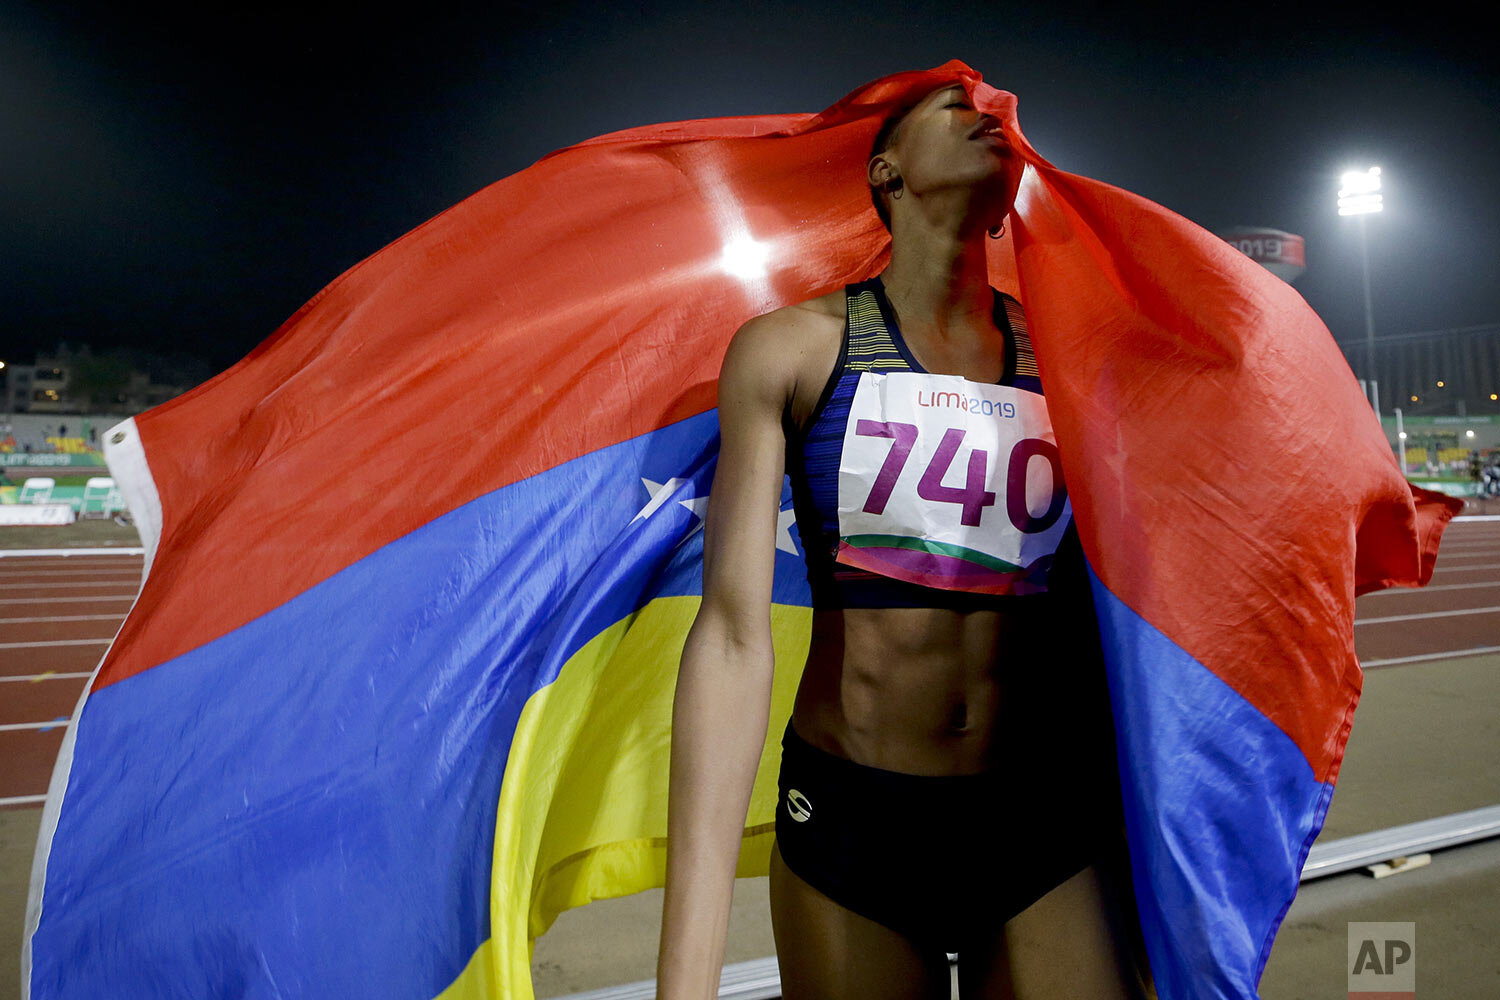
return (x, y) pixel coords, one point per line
(918, 490)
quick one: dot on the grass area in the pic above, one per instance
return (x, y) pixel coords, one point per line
(93, 533)
(59, 479)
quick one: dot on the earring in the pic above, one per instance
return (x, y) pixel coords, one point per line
(997, 231)
(895, 188)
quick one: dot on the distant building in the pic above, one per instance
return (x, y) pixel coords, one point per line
(76, 380)
(1435, 372)
(15, 387)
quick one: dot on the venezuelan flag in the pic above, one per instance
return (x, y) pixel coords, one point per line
(396, 689)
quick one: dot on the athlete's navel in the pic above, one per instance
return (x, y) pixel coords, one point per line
(958, 719)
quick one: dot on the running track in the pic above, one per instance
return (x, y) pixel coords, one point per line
(57, 615)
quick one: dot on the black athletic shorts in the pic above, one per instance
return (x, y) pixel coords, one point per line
(938, 858)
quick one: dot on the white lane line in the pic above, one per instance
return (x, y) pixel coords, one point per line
(125, 561)
(1426, 614)
(1387, 592)
(60, 722)
(15, 573)
(55, 642)
(50, 675)
(124, 571)
(1436, 570)
(61, 618)
(23, 800)
(60, 586)
(1449, 654)
(1493, 558)
(75, 600)
(1478, 517)
(123, 550)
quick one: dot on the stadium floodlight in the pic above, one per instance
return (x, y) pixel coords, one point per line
(1360, 193)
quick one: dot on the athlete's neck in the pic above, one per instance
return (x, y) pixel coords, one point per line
(938, 282)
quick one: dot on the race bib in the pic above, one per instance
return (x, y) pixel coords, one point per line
(950, 483)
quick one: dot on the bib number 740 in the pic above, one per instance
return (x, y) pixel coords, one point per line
(972, 496)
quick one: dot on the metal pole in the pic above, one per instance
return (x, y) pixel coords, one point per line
(1401, 440)
(1364, 260)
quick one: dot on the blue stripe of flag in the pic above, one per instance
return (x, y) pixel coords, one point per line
(1221, 808)
(306, 805)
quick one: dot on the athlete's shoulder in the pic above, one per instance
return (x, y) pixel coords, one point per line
(789, 351)
(785, 338)
(809, 317)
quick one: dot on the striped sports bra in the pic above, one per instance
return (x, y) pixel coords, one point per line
(913, 489)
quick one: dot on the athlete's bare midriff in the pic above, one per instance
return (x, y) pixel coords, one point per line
(917, 690)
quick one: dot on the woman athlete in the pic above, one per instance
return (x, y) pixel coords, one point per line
(948, 778)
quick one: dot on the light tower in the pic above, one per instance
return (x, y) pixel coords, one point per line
(1359, 194)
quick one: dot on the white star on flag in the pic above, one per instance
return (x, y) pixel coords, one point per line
(784, 521)
(662, 492)
(699, 507)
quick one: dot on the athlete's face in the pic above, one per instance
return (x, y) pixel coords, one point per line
(945, 142)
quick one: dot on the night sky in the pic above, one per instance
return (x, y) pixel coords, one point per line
(185, 185)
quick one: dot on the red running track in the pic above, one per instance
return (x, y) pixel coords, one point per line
(57, 615)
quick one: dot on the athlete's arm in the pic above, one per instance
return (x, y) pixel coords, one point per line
(723, 699)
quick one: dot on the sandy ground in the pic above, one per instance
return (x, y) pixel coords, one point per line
(99, 532)
(17, 841)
